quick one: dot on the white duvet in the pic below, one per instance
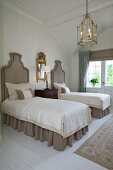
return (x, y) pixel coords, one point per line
(63, 117)
(97, 100)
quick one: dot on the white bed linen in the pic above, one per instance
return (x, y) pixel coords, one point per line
(63, 117)
(97, 100)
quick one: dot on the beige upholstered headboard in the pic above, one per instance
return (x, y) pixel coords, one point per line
(57, 74)
(14, 72)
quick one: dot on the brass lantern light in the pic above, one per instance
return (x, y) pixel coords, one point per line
(87, 30)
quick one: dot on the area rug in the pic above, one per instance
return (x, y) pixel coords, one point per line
(99, 147)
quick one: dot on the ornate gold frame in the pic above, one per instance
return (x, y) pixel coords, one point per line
(40, 63)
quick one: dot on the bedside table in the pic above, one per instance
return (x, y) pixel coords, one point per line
(47, 93)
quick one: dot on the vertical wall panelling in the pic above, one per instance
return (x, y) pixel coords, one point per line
(1, 54)
(27, 37)
(75, 72)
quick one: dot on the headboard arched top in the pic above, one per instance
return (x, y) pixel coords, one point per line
(57, 74)
(14, 72)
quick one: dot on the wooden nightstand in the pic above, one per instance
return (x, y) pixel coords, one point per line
(53, 94)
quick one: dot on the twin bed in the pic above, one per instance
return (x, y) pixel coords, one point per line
(59, 122)
(99, 103)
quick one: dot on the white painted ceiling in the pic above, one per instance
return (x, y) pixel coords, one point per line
(61, 17)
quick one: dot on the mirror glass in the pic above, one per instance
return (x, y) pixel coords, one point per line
(41, 62)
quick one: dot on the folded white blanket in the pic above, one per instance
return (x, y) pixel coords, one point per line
(63, 117)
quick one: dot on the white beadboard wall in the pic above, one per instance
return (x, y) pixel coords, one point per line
(1, 43)
(27, 37)
(1, 58)
(105, 41)
(75, 73)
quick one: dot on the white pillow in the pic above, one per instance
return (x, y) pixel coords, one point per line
(24, 94)
(13, 87)
(59, 86)
(66, 89)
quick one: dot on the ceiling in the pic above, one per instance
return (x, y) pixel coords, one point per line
(61, 17)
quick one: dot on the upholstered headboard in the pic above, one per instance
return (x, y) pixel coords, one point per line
(57, 74)
(14, 72)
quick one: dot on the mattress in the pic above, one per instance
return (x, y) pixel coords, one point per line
(60, 116)
(97, 100)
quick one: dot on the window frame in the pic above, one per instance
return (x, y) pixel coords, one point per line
(88, 85)
(102, 76)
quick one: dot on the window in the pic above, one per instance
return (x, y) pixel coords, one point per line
(102, 71)
(94, 72)
(109, 73)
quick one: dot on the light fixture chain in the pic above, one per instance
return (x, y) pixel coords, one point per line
(86, 6)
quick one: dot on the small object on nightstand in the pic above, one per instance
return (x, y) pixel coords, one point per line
(47, 93)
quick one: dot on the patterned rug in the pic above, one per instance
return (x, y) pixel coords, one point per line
(99, 147)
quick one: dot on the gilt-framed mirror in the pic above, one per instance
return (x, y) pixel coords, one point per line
(41, 62)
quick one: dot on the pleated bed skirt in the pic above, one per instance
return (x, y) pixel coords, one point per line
(99, 113)
(54, 139)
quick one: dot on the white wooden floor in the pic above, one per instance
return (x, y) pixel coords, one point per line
(20, 152)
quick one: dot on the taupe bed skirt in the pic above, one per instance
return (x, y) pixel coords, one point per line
(54, 139)
(98, 113)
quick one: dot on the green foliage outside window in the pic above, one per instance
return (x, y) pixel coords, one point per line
(109, 71)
